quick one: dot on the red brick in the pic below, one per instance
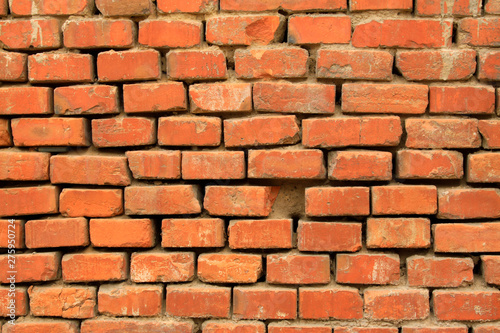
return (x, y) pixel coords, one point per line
(398, 233)
(53, 326)
(207, 64)
(214, 98)
(234, 327)
(198, 302)
(491, 269)
(483, 168)
(131, 325)
(297, 328)
(465, 238)
(479, 31)
(154, 97)
(436, 329)
(13, 67)
(162, 267)
(444, 65)
(396, 304)
(60, 301)
(88, 169)
(308, 97)
(368, 330)
(187, 6)
(86, 100)
(28, 200)
(347, 201)
(56, 233)
(344, 132)
(404, 200)
(404, 33)
(4, 8)
(162, 200)
(360, 165)
(264, 303)
(240, 200)
(50, 131)
(492, 7)
(298, 269)
(121, 8)
(361, 5)
(170, 34)
(286, 164)
(14, 228)
(122, 232)
(155, 164)
(13, 302)
(329, 237)
(123, 132)
(462, 100)
(98, 33)
(193, 233)
(50, 7)
(229, 268)
(189, 131)
(35, 34)
(384, 98)
(354, 64)
(319, 29)
(442, 133)
(21, 166)
(469, 203)
(96, 266)
(25, 100)
(260, 234)
(60, 67)
(130, 301)
(490, 131)
(135, 65)
(245, 30)
(439, 271)
(5, 137)
(367, 268)
(287, 5)
(330, 303)
(261, 131)
(455, 7)
(91, 203)
(213, 165)
(475, 305)
(285, 62)
(489, 64)
(429, 164)
(32, 267)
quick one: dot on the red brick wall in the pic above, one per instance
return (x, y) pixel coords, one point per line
(250, 166)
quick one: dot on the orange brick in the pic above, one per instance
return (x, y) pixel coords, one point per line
(286, 164)
(366, 330)
(330, 303)
(264, 303)
(489, 63)
(492, 7)
(154, 97)
(155, 164)
(404, 200)
(26, 100)
(13, 66)
(206, 64)
(186, 233)
(130, 301)
(187, 6)
(57, 233)
(286, 5)
(50, 131)
(439, 271)
(28, 200)
(136, 65)
(367, 269)
(32, 267)
(436, 329)
(442, 133)
(229, 268)
(50, 7)
(297, 269)
(226, 97)
(396, 304)
(162, 200)
(440, 7)
(319, 29)
(123, 132)
(198, 302)
(429, 164)
(86, 100)
(360, 165)
(162, 267)
(55, 326)
(475, 305)
(483, 168)
(122, 232)
(347, 201)
(491, 269)
(91, 203)
(37, 34)
(131, 325)
(297, 328)
(60, 67)
(260, 234)
(21, 166)
(462, 100)
(479, 31)
(53, 301)
(5, 136)
(98, 33)
(14, 228)
(189, 131)
(119, 8)
(361, 5)
(466, 238)
(213, 165)
(469, 203)
(329, 237)
(13, 302)
(399, 233)
(233, 327)
(490, 131)
(96, 266)
(170, 34)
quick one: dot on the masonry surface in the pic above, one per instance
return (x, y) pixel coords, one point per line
(250, 166)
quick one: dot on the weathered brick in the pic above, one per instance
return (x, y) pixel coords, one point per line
(162, 200)
(13, 302)
(330, 303)
(297, 328)
(50, 131)
(466, 238)
(5, 136)
(13, 67)
(479, 31)
(347, 201)
(446, 8)
(61, 301)
(50, 7)
(124, 8)
(483, 168)
(429, 164)
(316, 29)
(478, 305)
(123, 132)
(91, 203)
(307, 97)
(489, 66)
(367, 269)
(229, 268)
(94, 266)
(32, 267)
(264, 303)
(354, 64)
(12, 227)
(132, 325)
(53, 326)
(328, 237)
(60, 67)
(467, 203)
(213, 165)
(399, 233)
(226, 97)
(360, 165)
(170, 34)
(286, 164)
(122, 232)
(155, 164)
(462, 100)
(86, 100)
(208, 64)
(187, 6)
(439, 271)
(491, 269)
(186, 233)
(285, 62)
(198, 301)
(189, 131)
(25, 101)
(136, 65)
(287, 5)
(435, 329)
(21, 166)
(404, 200)
(130, 301)
(260, 234)
(492, 7)
(396, 304)
(490, 131)
(487, 328)
(37, 34)
(154, 97)
(298, 269)
(442, 133)
(443, 65)
(97, 33)
(361, 5)
(28, 200)
(56, 233)
(162, 267)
